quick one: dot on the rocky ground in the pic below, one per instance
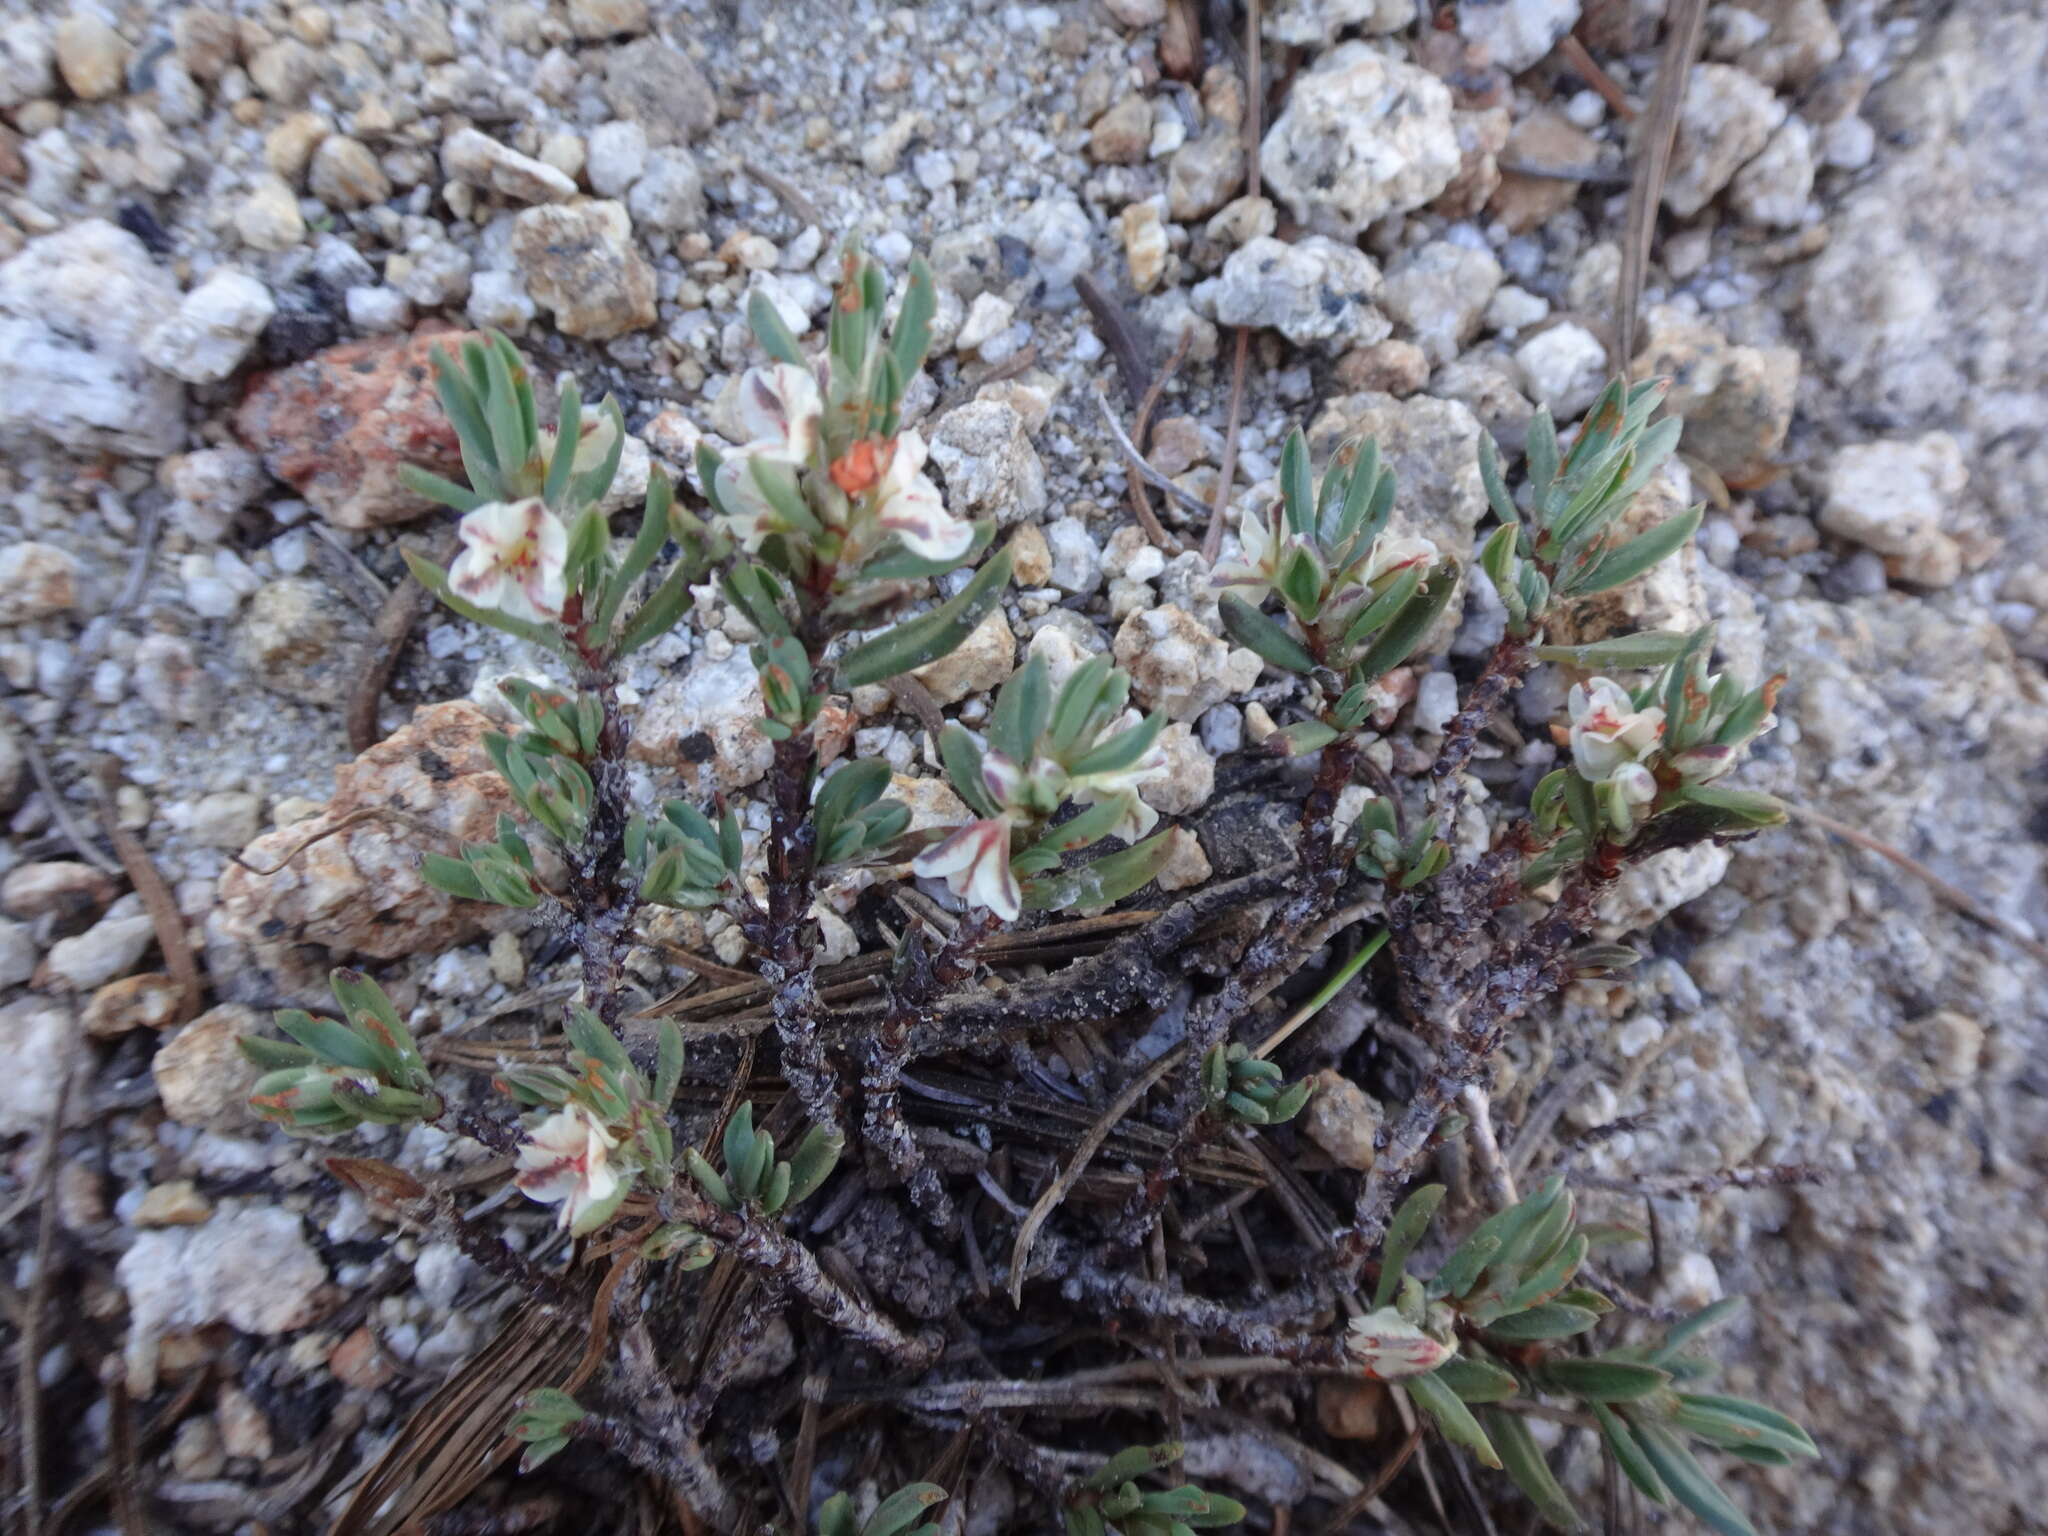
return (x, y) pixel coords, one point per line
(224, 232)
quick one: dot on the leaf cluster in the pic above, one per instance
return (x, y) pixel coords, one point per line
(1111, 1500)
(1248, 1088)
(1508, 1296)
(333, 1076)
(1353, 607)
(753, 1176)
(1569, 546)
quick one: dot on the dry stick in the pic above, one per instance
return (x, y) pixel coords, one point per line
(396, 617)
(1255, 103)
(28, 1377)
(1578, 58)
(80, 840)
(1131, 364)
(1084, 1153)
(771, 1251)
(1500, 1181)
(172, 936)
(1139, 466)
(1954, 895)
(1212, 538)
(1659, 130)
(1141, 503)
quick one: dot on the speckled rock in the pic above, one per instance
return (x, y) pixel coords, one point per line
(1516, 33)
(74, 307)
(579, 261)
(660, 88)
(1736, 401)
(1177, 665)
(1894, 497)
(215, 328)
(338, 426)
(987, 464)
(250, 1267)
(1314, 291)
(1362, 136)
(201, 1075)
(1727, 117)
(708, 717)
(37, 580)
(359, 891)
(982, 661)
(1438, 293)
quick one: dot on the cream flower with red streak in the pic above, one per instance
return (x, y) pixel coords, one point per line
(1610, 735)
(567, 1161)
(975, 864)
(513, 559)
(779, 408)
(909, 506)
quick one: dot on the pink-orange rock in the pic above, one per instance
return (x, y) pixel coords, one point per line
(360, 891)
(338, 426)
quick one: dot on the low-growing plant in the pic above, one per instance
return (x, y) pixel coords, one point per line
(832, 549)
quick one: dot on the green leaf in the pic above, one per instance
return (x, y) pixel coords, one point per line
(1297, 487)
(1452, 1417)
(509, 438)
(1023, 706)
(961, 754)
(1478, 1381)
(664, 608)
(452, 876)
(1304, 737)
(926, 638)
(269, 1055)
(1629, 561)
(1403, 1233)
(1603, 1380)
(776, 338)
(912, 337)
(1253, 630)
(646, 545)
(1736, 1421)
(1115, 753)
(1101, 882)
(1689, 1482)
(333, 1043)
(568, 436)
(1133, 1462)
(1549, 1278)
(1524, 1463)
(422, 482)
(1552, 1320)
(1628, 1453)
(812, 1164)
(901, 1509)
(1540, 459)
(1495, 482)
(1651, 648)
(1407, 628)
(668, 1063)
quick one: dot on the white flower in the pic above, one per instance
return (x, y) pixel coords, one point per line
(596, 431)
(1393, 553)
(1250, 576)
(779, 408)
(567, 1160)
(512, 559)
(1139, 818)
(975, 864)
(1608, 731)
(909, 506)
(1390, 1347)
(749, 513)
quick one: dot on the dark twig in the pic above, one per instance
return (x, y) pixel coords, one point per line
(396, 615)
(1684, 24)
(165, 917)
(1226, 475)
